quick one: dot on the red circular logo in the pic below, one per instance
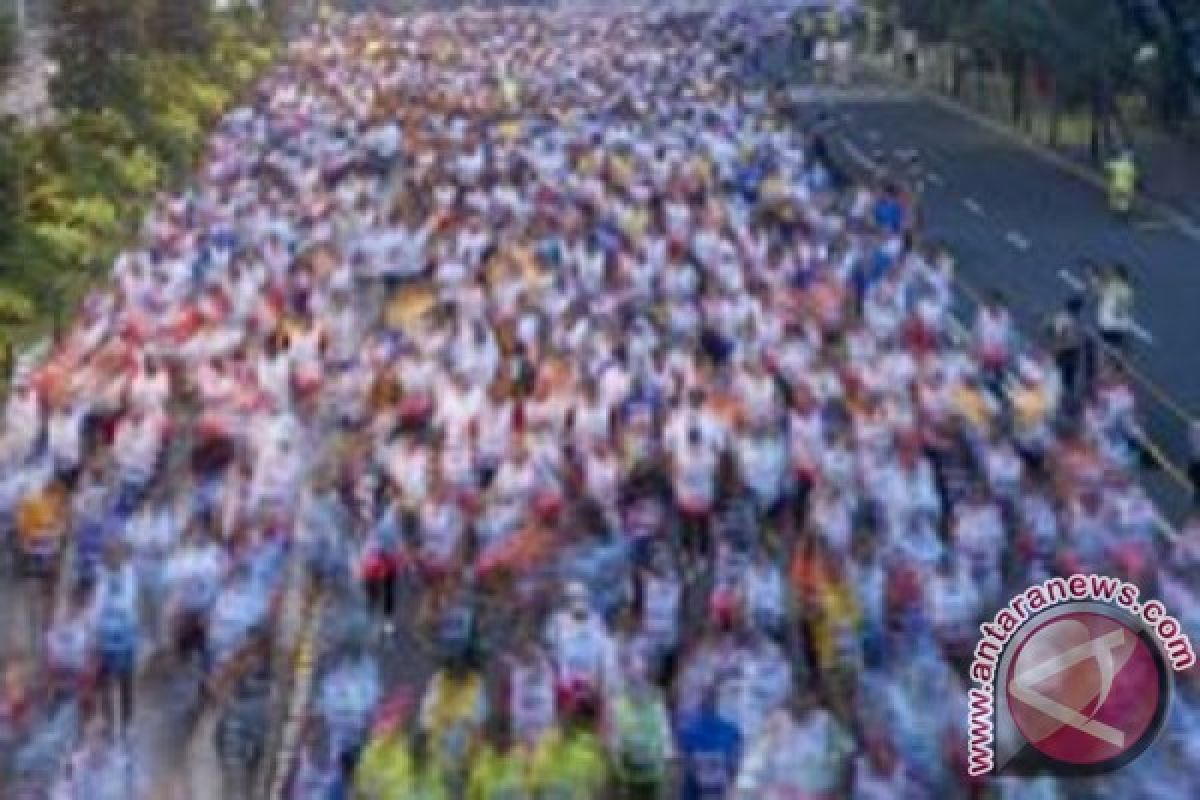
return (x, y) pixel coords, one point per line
(1086, 689)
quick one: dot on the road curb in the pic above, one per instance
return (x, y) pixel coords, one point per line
(1181, 221)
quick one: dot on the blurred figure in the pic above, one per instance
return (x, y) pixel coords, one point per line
(641, 742)
(1122, 183)
(453, 712)
(244, 719)
(710, 750)
(1069, 346)
(500, 767)
(115, 608)
(1114, 307)
(571, 761)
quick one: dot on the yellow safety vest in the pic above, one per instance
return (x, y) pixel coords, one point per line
(1123, 174)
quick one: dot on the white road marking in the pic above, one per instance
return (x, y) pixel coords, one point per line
(935, 179)
(973, 206)
(858, 155)
(1165, 526)
(1140, 332)
(1070, 279)
(958, 331)
(1017, 240)
(1155, 224)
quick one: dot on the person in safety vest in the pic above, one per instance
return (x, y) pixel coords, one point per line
(1122, 182)
(500, 767)
(640, 739)
(452, 714)
(570, 763)
(385, 769)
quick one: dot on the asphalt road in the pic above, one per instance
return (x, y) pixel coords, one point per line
(1021, 224)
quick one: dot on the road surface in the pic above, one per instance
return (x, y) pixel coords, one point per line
(1021, 224)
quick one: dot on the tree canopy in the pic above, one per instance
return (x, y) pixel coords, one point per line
(1089, 48)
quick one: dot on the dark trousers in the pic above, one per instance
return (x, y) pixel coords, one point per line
(117, 671)
(1072, 365)
(1115, 340)
(381, 595)
(1194, 477)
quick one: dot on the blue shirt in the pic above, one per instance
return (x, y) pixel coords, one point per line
(709, 751)
(889, 214)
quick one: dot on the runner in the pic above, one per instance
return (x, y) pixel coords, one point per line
(556, 307)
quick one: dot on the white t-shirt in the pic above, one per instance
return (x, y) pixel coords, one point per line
(441, 531)
(582, 649)
(695, 476)
(149, 391)
(661, 597)
(65, 435)
(762, 462)
(531, 701)
(602, 479)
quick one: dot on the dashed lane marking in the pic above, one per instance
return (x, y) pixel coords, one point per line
(1137, 330)
(1017, 240)
(972, 205)
(1153, 224)
(1070, 279)
(856, 153)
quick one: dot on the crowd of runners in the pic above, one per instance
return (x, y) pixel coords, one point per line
(626, 447)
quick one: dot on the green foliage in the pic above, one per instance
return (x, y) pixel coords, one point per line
(138, 171)
(95, 43)
(62, 244)
(935, 20)
(139, 85)
(8, 41)
(1090, 50)
(15, 306)
(181, 26)
(1084, 44)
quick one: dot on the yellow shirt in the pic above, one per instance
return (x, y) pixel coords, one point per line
(452, 717)
(386, 772)
(972, 405)
(495, 776)
(1030, 407)
(40, 516)
(837, 618)
(570, 767)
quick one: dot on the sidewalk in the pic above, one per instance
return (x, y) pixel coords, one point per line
(1169, 165)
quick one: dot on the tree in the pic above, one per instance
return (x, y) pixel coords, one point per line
(8, 42)
(1091, 52)
(95, 44)
(180, 26)
(1012, 35)
(934, 20)
(1086, 47)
